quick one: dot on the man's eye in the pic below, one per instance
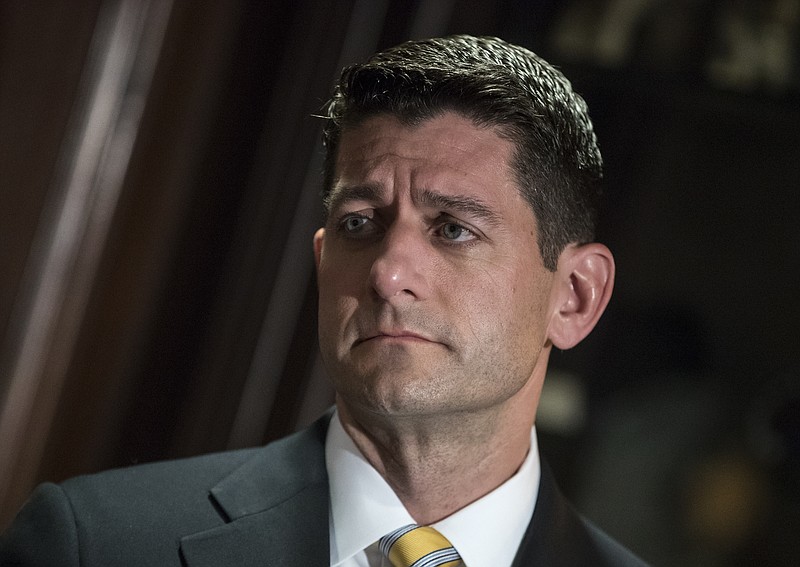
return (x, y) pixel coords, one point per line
(356, 225)
(456, 232)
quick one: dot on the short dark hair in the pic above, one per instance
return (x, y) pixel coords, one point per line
(557, 163)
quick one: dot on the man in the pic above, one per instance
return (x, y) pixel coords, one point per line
(461, 185)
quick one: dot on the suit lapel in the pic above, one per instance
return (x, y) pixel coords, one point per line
(275, 507)
(293, 533)
(556, 535)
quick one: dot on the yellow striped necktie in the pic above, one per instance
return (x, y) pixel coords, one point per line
(419, 546)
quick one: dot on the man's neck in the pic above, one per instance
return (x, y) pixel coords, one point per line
(440, 464)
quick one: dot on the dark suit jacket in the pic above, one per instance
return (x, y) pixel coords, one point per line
(255, 507)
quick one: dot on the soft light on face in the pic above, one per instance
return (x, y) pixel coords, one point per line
(432, 294)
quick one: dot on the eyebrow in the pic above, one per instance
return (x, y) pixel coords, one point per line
(460, 203)
(428, 198)
(340, 195)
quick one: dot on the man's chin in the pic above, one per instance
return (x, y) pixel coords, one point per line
(397, 395)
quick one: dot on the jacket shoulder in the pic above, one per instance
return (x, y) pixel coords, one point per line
(174, 479)
(138, 515)
(68, 524)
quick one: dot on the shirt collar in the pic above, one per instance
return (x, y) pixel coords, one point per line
(488, 532)
(364, 508)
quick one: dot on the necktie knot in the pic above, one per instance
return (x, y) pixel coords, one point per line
(419, 546)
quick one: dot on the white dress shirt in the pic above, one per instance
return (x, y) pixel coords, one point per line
(364, 508)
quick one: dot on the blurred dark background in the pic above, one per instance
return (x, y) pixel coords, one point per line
(159, 174)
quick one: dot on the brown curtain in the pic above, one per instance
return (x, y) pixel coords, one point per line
(160, 174)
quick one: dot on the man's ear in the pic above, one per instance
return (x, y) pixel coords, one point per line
(582, 289)
(318, 238)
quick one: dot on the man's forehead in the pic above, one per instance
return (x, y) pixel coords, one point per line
(446, 144)
(447, 131)
(448, 165)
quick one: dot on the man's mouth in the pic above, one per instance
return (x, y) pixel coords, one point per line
(395, 336)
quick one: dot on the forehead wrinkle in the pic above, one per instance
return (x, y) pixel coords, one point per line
(367, 154)
(383, 146)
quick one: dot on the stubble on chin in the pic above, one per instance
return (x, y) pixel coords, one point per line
(392, 379)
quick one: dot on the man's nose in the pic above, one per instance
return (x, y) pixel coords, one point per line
(398, 271)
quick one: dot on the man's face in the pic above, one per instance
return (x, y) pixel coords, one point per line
(432, 294)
